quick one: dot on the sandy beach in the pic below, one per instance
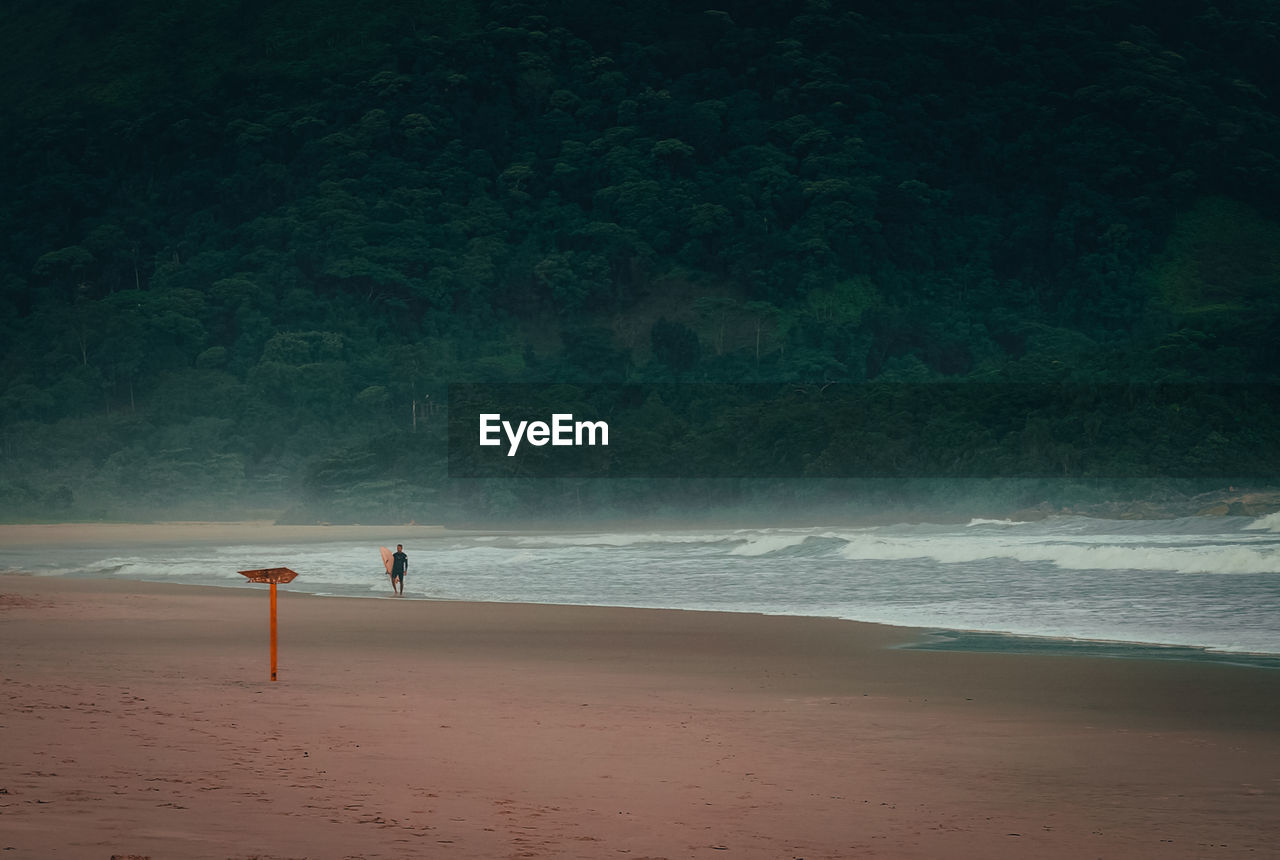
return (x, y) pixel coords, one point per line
(255, 532)
(139, 719)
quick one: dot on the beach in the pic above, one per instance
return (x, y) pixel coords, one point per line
(139, 719)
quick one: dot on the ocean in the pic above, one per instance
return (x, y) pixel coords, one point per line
(1199, 582)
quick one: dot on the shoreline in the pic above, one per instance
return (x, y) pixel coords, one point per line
(931, 638)
(946, 639)
(27, 537)
(923, 639)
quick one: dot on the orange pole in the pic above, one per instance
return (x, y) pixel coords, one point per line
(273, 631)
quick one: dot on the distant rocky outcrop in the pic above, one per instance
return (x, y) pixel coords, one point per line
(1229, 502)
(1242, 505)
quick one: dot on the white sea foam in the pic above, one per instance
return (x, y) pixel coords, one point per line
(764, 543)
(1074, 554)
(1269, 523)
(620, 539)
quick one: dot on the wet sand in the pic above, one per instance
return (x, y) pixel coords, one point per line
(139, 719)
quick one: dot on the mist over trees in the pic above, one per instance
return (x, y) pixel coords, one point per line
(248, 245)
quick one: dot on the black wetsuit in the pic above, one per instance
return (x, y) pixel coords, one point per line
(399, 564)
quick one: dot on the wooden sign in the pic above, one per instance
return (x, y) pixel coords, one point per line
(272, 575)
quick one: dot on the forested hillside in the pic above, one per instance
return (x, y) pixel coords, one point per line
(248, 244)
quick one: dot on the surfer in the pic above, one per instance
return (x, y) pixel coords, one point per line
(399, 564)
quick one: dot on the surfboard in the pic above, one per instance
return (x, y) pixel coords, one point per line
(387, 562)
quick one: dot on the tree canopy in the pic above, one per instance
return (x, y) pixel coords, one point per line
(249, 245)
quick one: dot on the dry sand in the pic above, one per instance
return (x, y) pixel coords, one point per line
(256, 532)
(138, 719)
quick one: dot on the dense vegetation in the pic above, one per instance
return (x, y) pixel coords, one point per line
(248, 244)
